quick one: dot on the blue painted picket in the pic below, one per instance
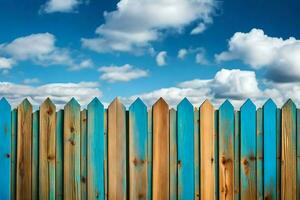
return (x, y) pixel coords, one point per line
(248, 151)
(185, 149)
(270, 149)
(5, 149)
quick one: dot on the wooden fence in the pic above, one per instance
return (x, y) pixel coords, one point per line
(156, 153)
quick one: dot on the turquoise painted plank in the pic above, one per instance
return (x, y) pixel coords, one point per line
(270, 149)
(259, 154)
(149, 155)
(59, 155)
(138, 140)
(5, 149)
(14, 131)
(237, 155)
(196, 154)
(226, 151)
(298, 154)
(248, 151)
(83, 153)
(35, 155)
(278, 155)
(95, 150)
(185, 142)
(173, 154)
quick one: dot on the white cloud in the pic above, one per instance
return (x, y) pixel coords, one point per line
(137, 23)
(85, 64)
(52, 6)
(161, 58)
(280, 57)
(60, 93)
(123, 73)
(201, 58)
(182, 54)
(31, 80)
(199, 29)
(41, 49)
(6, 63)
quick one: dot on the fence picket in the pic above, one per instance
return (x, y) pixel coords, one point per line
(14, 127)
(196, 155)
(83, 153)
(59, 155)
(149, 156)
(237, 155)
(35, 155)
(259, 154)
(173, 154)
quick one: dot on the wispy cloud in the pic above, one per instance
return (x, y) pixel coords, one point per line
(65, 6)
(161, 58)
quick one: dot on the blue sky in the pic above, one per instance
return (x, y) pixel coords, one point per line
(171, 48)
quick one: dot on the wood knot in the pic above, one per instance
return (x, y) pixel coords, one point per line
(212, 160)
(7, 155)
(245, 162)
(252, 158)
(72, 142)
(50, 157)
(49, 111)
(140, 196)
(83, 179)
(72, 129)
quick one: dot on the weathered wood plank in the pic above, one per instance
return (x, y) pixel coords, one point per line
(298, 153)
(207, 151)
(35, 155)
(259, 155)
(196, 155)
(117, 155)
(24, 147)
(47, 150)
(149, 155)
(72, 189)
(83, 153)
(237, 155)
(95, 151)
(278, 136)
(161, 151)
(5, 149)
(248, 151)
(14, 127)
(270, 150)
(173, 154)
(288, 151)
(185, 149)
(138, 136)
(105, 157)
(226, 151)
(59, 155)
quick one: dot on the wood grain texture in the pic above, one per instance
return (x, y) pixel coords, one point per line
(173, 154)
(161, 151)
(270, 150)
(59, 155)
(14, 127)
(226, 151)
(83, 153)
(207, 151)
(248, 151)
(24, 147)
(72, 189)
(149, 155)
(5, 149)
(95, 150)
(185, 149)
(237, 155)
(138, 139)
(259, 155)
(117, 155)
(105, 157)
(298, 154)
(288, 151)
(278, 136)
(196, 155)
(47, 150)
(35, 155)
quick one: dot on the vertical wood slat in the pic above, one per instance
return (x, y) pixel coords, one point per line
(207, 151)
(59, 155)
(173, 154)
(138, 136)
(237, 155)
(161, 151)
(149, 155)
(105, 157)
(24, 147)
(83, 153)
(47, 150)
(278, 154)
(226, 151)
(196, 155)
(298, 154)
(72, 151)
(117, 151)
(35, 155)
(259, 154)
(248, 151)
(288, 151)
(185, 149)
(5, 149)
(270, 150)
(14, 133)
(95, 150)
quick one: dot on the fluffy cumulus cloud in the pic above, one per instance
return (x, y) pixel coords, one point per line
(60, 93)
(182, 53)
(41, 49)
(52, 6)
(161, 58)
(137, 23)
(279, 57)
(123, 73)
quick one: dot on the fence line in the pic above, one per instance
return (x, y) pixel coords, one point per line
(157, 153)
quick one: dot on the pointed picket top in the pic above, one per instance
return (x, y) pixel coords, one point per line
(115, 102)
(160, 101)
(206, 104)
(248, 105)
(226, 105)
(289, 103)
(269, 104)
(26, 104)
(138, 103)
(95, 103)
(172, 110)
(4, 103)
(73, 102)
(185, 103)
(48, 104)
